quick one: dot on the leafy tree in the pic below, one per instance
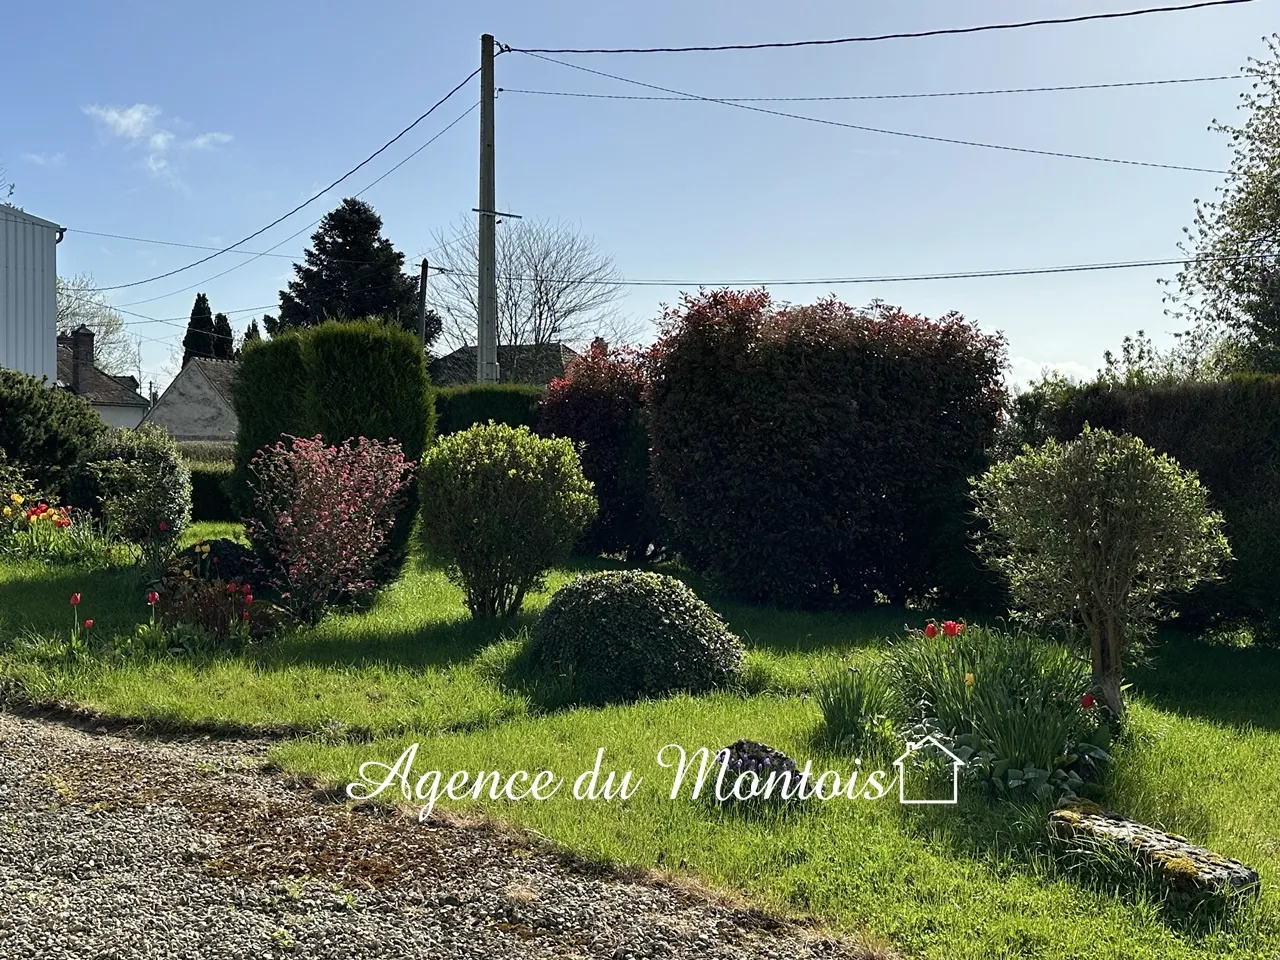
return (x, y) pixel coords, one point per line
(351, 272)
(78, 301)
(1233, 282)
(1095, 533)
(223, 338)
(199, 339)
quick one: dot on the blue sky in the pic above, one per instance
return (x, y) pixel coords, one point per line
(199, 123)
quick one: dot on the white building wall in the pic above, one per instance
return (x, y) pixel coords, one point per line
(28, 312)
(191, 409)
(119, 416)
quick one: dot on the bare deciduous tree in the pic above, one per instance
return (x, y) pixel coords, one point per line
(114, 351)
(553, 285)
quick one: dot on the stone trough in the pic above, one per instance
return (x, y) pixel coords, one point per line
(1191, 874)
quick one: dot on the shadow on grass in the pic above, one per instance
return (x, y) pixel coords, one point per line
(37, 599)
(1212, 681)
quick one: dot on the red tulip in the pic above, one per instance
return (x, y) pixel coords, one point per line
(248, 599)
(245, 616)
(950, 628)
(231, 588)
(88, 624)
(1087, 701)
(153, 598)
(931, 630)
(163, 526)
(75, 599)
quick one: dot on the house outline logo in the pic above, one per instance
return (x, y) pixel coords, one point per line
(915, 747)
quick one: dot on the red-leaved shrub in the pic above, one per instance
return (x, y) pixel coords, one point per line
(599, 404)
(809, 455)
(328, 511)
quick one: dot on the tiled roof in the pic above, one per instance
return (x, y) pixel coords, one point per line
(537, 363)
(98, 387)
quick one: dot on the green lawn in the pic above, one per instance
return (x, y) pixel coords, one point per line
(951, 882)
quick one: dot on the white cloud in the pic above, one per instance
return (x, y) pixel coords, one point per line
(131, 123)
(206, 140)
(45, 159)
(140, 125)
(1023, 370)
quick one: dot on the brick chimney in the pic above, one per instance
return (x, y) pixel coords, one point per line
(81, 356)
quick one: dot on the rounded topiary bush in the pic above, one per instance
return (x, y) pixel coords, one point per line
(44, 431)
(621, 635)
(500, 507)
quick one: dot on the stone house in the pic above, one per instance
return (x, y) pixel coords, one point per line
(116, 398)
(197, 404)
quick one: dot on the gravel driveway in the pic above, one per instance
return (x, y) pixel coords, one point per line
(119, 847)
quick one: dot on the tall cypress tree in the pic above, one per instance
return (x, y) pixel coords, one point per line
(223, 339)
(351, 272)
(199, 339)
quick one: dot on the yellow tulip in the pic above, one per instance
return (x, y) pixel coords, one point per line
(8, 511)
(16, 498)
(968, 679)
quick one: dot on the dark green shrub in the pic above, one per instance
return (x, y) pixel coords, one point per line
(500, 507)
(270, 400)
(819, 455)
(1228, 432)
(515, 404)
(599, 404)
(225, 559)
(341, 381)
(44, 430)
(210, 498)
(621, 635)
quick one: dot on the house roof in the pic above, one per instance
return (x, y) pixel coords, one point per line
(97, 386)
(537, 363)
(221, 373)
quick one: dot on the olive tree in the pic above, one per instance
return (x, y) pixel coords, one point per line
(1094, 533)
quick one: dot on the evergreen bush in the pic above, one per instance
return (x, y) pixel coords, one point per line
(620, 635)
(515, 404)
(44, 430)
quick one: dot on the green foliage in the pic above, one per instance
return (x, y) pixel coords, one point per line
(210, 498)
(515, 404)
(1096, 533)
(207, 451)
(1225, 431)
(199, 340)
(1009, 703)
(622, 635)
(599, 404)
(818, 455)
(860, 711)
(1229, 277)
(223, 340)
(140, 484)
(500, 507)
(341, 381)
(44, 430)
(351, 271)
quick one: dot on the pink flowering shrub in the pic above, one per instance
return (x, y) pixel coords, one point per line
(324, 514)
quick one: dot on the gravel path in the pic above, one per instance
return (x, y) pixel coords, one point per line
(118, 847)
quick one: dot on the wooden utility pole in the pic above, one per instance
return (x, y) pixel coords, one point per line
(487, 299)
(422, 306)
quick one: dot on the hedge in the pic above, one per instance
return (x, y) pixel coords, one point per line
(515, 404)
(45, 431)
(340, 380)
(819, 455)
(1229, 433)
(210, 496)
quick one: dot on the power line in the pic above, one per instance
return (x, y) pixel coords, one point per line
(893, 133)
(268, 252)
(170, 273)
(881, 96)
(948, 31)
